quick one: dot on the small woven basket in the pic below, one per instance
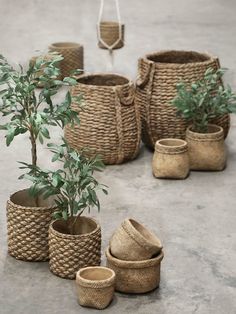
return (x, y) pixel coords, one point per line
(73, 54)
(95, 286)
(111, 35)
(133, 242)
(70, 252)
(110, 121)
(158, 74)
(135, 276)
(27, 227)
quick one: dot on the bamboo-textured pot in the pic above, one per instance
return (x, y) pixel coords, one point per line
(133, 242)
(170, 159)
(95, 286)
(70, 252)
(135, 276)
(27, 226)
(207, 150)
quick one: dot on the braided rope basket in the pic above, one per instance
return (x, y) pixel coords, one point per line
(27, 227)
(158, 74)
(73, 54)
(110, 34)
(70, 252)
(110, 122)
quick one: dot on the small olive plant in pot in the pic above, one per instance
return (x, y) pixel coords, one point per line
(74, 240)
(199, 103)
(27, 112)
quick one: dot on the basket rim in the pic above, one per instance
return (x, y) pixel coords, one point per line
(65, 45)
(183, 143)
(219, 133)
(33, 208)
(174, 65)
(95, 283)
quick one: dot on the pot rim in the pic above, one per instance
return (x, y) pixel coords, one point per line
(95, 283)
(65, 45)
(217, 135)
(110, 23)
(39, 208)
(73, 236)
(134, 264)
(183, 143)
(209, 57)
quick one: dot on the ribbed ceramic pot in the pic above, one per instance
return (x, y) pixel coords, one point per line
(133, 242)
(207, 150)
(170, 159)
(95, 286)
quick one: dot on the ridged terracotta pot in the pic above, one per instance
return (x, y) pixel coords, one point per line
(27, 226)
(170, 159)
(95, 286)
(135, 276)
(207, 150)
(70, 252)
(73, 54)
(133, 242)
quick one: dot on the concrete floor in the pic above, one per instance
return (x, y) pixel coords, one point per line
(195, 218)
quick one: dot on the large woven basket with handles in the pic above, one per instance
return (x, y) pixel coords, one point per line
(158, 74)
(110, 122)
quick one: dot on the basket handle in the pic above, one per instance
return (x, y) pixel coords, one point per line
(142, 80)
(126, 99)
(119, 24)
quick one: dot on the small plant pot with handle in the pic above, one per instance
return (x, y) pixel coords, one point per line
(95, 286)
(133, 242)
(74, 244)
(171, 159)
(207, 150)
(135, 276)
(28, 222)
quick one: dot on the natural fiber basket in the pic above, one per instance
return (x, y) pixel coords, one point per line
(27, 226)
(110, 122)
(133, 242)
(112, 34)
(95, 286)
(68, 253)
(158, 74)
(135, 276)
(73, 54)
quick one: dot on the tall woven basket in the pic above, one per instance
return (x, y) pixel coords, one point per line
(111, 34)
(158, 74)
(73, 54)
(70, 252)
(110, 122)
(27, 227)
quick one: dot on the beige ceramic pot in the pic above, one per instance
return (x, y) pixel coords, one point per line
(207, 150)
(95, 286)
(136, 276)
(170, 159)
(133, 242)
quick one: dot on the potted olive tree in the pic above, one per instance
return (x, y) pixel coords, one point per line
(27, 112)
(74, 240)
(199, 103)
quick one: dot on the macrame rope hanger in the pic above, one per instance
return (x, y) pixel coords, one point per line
(100, 39)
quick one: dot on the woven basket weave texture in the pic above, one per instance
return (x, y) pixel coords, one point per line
(109, 32)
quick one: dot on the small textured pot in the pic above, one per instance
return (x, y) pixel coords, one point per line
(73, 55)
(70, 252)
(170, 159)
(133, 242)
(27, 226)
(207, 150)
(110, 35)
(135, 276)
(95, 286)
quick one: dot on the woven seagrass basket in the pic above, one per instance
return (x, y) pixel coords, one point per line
(73, 54)
(70, 252)
(95, 286)
(110, 121)
(135, 276)
(158, 74)
(112, 34)
(27, 226)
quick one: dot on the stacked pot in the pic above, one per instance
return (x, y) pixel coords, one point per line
(135, 255)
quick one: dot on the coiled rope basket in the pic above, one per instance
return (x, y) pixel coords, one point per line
(110, 121)
(158, 74)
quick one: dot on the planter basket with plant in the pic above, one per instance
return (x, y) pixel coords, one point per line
(26, 112)
(203, 101)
